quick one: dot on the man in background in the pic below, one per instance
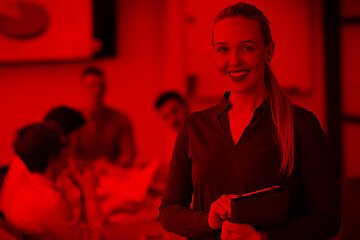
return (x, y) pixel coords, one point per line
(107, 141)
(172, 108)
(107, 135)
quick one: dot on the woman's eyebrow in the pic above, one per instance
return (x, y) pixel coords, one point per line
(248, 41)
(221, 43)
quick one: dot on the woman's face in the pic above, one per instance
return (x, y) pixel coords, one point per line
(240, 53)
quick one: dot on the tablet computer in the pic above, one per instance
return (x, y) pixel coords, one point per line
(262, 209)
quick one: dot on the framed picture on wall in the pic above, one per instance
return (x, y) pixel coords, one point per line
(42, 30)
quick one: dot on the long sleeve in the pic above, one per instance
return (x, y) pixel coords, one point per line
(175, 213)
(126, 143)
(317, 175)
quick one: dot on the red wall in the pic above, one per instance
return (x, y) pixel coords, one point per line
(135, 77)
(151, 58)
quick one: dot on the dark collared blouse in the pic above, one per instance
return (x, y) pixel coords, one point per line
(207, 164)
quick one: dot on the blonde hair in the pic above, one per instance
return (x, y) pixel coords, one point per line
(282, 109)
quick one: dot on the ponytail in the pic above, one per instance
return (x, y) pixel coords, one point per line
(282, 112)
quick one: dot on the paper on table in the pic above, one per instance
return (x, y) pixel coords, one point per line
(121, 186)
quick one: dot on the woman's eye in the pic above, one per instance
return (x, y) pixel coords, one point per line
(247, 48)
(222, 49)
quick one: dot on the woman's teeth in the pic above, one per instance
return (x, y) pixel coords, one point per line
(238, 74)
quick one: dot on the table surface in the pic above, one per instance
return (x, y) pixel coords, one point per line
(141, 224)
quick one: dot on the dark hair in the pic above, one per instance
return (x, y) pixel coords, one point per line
(68, 119)
(282, 109)
(166, 96)
(35, 144)
(92, 70)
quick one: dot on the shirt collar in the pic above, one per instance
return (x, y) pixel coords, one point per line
(224, 105)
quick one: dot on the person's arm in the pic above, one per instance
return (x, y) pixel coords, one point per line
(175, 213)
(126, 143)
(320, 185)
(89, 221)
(57, 220)
(91, 204)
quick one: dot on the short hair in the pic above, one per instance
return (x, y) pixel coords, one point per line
(93, 70)
(67, 118)
(166, 96)
(35, 144)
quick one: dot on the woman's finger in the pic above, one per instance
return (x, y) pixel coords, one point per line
(220, 210)
(224, 201)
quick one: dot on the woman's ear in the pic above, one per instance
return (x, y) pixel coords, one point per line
(270, 52)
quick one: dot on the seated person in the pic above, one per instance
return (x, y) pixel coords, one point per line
(70, 122)
(172, 108)
(38, 207)
(107, 134)
(67, 118)
(107, 141)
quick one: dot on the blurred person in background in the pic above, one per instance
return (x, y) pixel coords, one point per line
(107, 136)
(107, 141)
(70, 121)
(39, 208)
(172, 108)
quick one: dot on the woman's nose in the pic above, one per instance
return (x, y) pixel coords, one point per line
(235, 58)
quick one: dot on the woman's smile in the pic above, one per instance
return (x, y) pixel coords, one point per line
(237, 75)
(240, 54)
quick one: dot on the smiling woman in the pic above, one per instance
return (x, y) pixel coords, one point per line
(240, 57)
(255, 138)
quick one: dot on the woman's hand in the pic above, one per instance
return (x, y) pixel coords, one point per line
(238, 231)
(220, 211)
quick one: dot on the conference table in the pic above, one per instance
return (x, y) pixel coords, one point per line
(139, 224)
